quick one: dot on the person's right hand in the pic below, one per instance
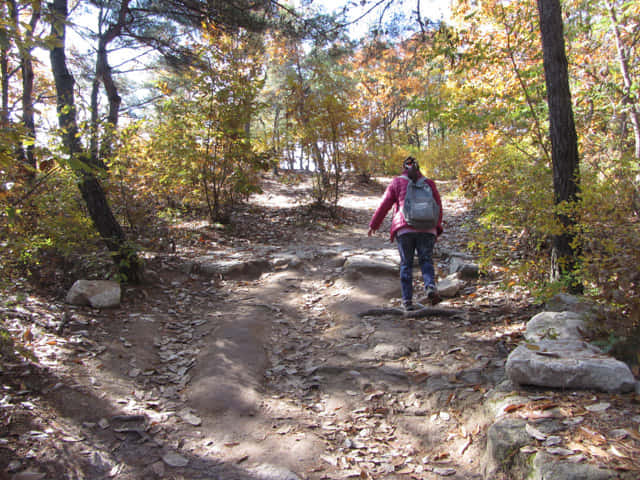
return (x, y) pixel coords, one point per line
(370, 232)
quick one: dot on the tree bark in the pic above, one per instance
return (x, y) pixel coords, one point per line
(623, 59)
(564, 142)
(26, 64)
(90, 187)
(103, 73)
(4, 73)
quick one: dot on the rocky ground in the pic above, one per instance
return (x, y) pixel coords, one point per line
(268, 372)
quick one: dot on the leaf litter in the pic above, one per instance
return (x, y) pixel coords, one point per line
(405, 416)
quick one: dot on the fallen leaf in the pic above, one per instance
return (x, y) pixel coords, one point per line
(595, 437)
(464, 447)
(513, 408)
(617, 452)
(597, 451)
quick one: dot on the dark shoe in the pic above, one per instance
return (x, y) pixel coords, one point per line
(434, 297)
(431, 296)
(410, 306)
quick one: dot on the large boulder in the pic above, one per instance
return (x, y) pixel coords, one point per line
(568, 364)
(96, 293)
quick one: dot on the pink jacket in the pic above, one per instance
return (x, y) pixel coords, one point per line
(394, 197)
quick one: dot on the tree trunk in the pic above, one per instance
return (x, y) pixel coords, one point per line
(4, 73)
(564, 142)
(92, 193)
(26, 64)
(623, 59)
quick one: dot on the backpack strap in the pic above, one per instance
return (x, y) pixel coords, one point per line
(421, 181)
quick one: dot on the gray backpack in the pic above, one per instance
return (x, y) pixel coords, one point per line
(420, 209)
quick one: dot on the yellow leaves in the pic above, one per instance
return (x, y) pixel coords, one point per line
(163, 87)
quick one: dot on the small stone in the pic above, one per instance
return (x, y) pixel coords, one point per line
(552, 441)
(158, 469)
(190, 418)
(175, 460)
(535, 433)
(444, 472)
(619, 434)
(598, 407)
(565, 452)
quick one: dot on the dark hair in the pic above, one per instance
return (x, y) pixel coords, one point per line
(409, 160)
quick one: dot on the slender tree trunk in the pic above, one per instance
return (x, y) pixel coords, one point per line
(564, 142)
(104, 75)
(623, 59)
(92, 192)
(28, 111)
(4, 69)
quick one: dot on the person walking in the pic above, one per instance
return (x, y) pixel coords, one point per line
(408, 238)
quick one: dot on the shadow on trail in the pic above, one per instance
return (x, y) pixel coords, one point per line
(67, 439)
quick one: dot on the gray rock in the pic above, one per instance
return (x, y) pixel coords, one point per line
(565, 302)
(546, 467)
(497, 401)
(96, 293)
(504, 440)
(450, 286)
(568, 364)
(364, 264)
(387, 351)
(555, 326)
(232, 268)
(464, 268)
(175, 460)
(290, 260)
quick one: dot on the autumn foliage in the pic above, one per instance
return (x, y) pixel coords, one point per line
(466, 98)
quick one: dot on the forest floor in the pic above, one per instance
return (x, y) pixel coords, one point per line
(273, 375)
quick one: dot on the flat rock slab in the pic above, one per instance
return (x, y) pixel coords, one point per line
(571, 364)
(366, 265)
(232, 269)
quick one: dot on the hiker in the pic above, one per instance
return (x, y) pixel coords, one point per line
(411, 239)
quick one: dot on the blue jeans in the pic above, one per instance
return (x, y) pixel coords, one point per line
(408, 243)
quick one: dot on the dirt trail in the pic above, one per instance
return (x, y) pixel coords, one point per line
(271, 375)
